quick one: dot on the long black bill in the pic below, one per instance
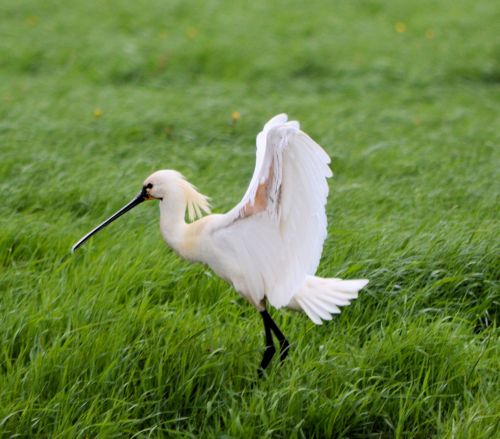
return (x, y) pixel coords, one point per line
(137, 200)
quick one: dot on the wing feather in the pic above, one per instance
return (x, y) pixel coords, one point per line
(275, 234)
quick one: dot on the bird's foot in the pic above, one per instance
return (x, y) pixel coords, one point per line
(266, 359)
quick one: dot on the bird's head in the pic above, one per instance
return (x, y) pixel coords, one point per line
(162, 185)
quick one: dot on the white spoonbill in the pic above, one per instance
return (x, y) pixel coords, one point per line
(268, 247)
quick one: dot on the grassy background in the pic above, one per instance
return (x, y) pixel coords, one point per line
(124, 339)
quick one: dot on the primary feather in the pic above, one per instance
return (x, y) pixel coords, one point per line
(277, 230)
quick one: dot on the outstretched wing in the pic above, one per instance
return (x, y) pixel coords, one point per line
(275, 234)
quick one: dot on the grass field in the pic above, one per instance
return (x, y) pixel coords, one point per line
(124, 339)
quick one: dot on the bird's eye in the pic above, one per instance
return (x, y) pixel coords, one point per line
(149, 186)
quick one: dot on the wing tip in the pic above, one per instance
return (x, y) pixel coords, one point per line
(276, 120)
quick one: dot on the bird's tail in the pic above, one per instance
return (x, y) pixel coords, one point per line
(319, 298)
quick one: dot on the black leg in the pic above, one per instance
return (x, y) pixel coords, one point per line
(284, 345)
(270, 349)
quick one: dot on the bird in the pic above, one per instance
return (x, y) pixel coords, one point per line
(268, 247)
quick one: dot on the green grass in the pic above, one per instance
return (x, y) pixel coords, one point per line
(125, 339)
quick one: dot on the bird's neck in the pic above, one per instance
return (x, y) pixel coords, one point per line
(172, 223)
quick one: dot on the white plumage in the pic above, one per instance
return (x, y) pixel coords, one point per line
(268, 246)
(276, 232)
